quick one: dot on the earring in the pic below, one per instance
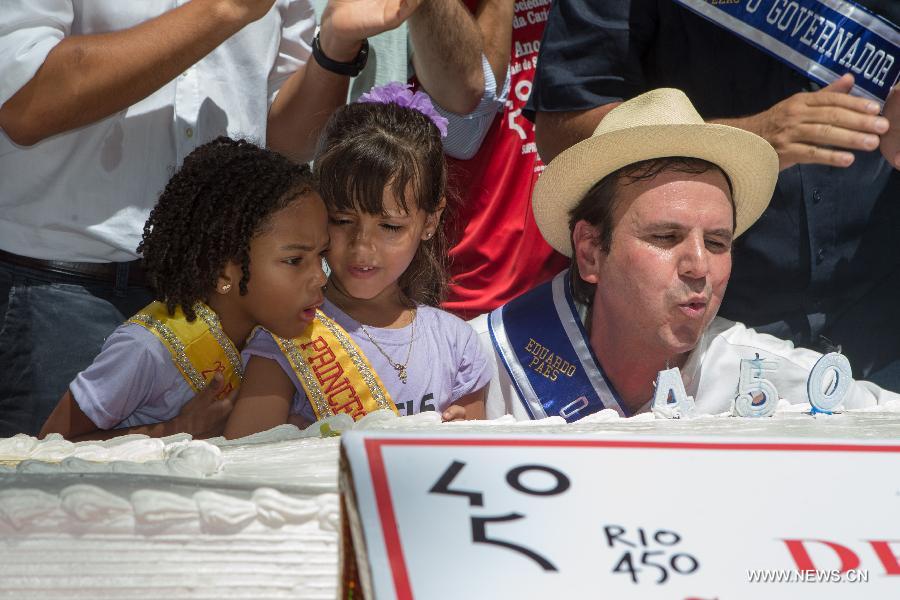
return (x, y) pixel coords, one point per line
(428, 235)
(226, 288)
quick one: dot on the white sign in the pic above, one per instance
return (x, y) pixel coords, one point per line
(465, 516)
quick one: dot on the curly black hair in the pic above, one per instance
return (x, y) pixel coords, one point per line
(212, 207)
(368, 146)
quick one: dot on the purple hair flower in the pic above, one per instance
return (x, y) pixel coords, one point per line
(401, 94)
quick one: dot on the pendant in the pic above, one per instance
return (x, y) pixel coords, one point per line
(401, 372)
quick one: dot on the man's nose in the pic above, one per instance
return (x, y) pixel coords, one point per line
(694, 258)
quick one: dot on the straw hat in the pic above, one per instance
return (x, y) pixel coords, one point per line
(657, 124)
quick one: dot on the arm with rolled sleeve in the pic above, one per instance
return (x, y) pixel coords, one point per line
(575, 82)
(447, 47)
(53, 82)
(462, 61)
(466, 132)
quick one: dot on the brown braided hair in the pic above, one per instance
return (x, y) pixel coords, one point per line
(221, 197)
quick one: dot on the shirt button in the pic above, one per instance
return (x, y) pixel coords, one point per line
(820, 256)
(817, 196)
(189, 132)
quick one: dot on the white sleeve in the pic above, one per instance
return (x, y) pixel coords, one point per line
(502, 398)
(128, 372)
(29, 30)
(466, 132)
(794, 366)
(295, 48)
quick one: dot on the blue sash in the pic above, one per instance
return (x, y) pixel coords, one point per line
(822, 39)
(543, 345)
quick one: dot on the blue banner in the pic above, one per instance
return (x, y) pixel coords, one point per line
(823, 39)
(543, 346)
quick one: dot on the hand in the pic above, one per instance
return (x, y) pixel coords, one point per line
(810, 127)
(890, 141)
(454, 412)
(346, 23)
(204, 416)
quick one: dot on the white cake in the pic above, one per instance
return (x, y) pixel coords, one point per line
(253, 518)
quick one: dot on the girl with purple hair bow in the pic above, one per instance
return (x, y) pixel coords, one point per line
(381, 172)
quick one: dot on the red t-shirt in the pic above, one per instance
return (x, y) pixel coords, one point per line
(501, 253)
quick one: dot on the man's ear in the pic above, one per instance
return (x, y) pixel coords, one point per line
(589, 255)
(433, 220)
(228, 279)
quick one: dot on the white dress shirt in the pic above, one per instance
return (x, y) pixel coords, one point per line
(710, 374)
(84, 195)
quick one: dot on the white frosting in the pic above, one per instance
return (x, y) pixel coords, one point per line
(20, 508)
(90, 503)
(135, 517)
(132, 448)
(24, 510)
(139, 455)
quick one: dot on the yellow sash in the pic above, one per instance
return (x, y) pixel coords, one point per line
(198, 349)
(334, 372)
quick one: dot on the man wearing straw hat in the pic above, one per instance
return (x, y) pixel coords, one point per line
(822, 265)
(647, 208)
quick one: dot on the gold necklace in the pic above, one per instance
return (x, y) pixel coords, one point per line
(400, 368)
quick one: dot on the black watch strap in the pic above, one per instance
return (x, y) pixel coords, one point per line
(351, 69)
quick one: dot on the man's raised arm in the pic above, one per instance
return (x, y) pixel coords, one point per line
(86, 78)
(309, 97)
(557, 131)
(447, 48)
(820, 127)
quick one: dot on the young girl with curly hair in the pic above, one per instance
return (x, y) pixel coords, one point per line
(381, 171)
(235, 241)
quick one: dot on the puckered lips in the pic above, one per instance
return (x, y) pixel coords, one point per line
(694, 307)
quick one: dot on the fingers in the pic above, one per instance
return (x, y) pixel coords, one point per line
(845, 117)
(206, 395)
(215, 384)
(454, 413)
(842, 106)
(828, 134)
(842, 84)
(821, 127)
(220, 409)
(215, 416)
(808, 154)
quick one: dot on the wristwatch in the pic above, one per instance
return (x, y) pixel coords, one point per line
(352, 68)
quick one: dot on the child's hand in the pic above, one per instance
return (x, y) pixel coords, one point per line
(204, 416)
(454, 412)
